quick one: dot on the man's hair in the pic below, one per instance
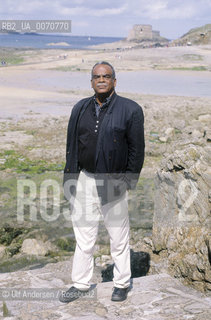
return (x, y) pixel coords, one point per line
(107, 64)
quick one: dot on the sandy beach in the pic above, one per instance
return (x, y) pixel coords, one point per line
(46, 85)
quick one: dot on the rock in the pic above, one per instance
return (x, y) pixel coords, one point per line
(103, 261)
(101, 311)
(2, 251)
(205, 118)
(163, 139)
(148, 241)
(179, 124)
(105, 258)
(169, 132)
(35, 247)
(197, 134)
(98, 262)
(151, 297)
(182, 220)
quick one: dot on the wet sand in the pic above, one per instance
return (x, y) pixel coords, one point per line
(167, 82)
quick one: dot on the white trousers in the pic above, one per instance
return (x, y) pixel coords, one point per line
(86, 213)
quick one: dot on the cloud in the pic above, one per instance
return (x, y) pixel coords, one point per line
(108, 11)
(150, 9)
(169, 9)
(64, 8)
(162, 11)
(92, 12)
(108, 17)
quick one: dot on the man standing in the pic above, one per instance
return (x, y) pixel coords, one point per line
(105, 154)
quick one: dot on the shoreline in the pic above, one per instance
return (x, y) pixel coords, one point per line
(48, 84)
(191, 58)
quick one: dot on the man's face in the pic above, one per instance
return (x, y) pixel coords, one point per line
(102, 81)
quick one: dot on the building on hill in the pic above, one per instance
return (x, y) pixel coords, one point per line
(143, 32)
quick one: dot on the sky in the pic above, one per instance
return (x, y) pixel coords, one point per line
(114, 18)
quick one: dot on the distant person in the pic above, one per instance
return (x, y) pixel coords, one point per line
(104, 157)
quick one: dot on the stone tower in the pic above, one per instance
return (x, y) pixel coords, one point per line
(143, 32)
(140, 32)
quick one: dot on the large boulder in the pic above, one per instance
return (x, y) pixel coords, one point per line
(35, 247)
(182, 218)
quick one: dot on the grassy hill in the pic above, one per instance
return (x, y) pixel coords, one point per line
(197, 36)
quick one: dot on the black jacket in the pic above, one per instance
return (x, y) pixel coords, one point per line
(120, 145)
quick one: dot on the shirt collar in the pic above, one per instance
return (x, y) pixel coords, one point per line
(105, 103)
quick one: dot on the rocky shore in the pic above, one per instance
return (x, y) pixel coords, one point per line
(151, 298)
(169, 212)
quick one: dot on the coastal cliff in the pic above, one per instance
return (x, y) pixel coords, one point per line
(182, 218)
